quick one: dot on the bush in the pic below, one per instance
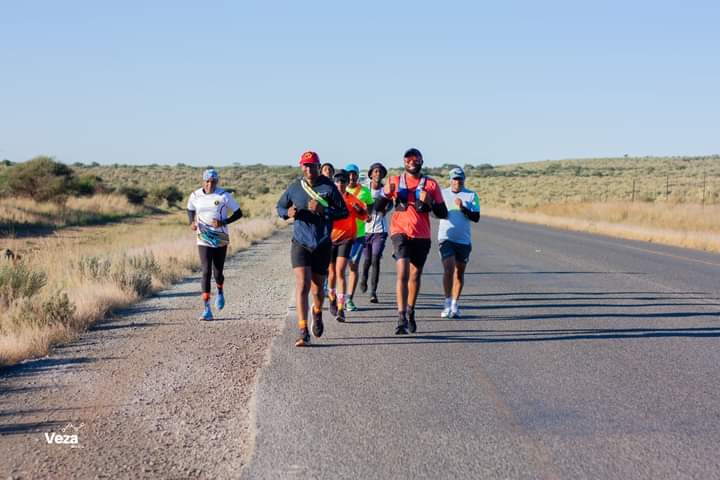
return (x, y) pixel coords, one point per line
(56, 310)
(17, 281)
(41, 178)
(169, 194)
(94, 268)
(134, 274)
(87, 185)
(134, 195)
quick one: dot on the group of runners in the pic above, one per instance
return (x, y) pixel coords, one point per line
(336, 220)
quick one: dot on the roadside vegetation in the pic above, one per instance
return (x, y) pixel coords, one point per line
(90, 239)
(669, 200)
(71, 256)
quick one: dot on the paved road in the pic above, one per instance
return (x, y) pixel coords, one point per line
(578, 357)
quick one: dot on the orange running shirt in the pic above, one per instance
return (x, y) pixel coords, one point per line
(346, 228)
(412, 223)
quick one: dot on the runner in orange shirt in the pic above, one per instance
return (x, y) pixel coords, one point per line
(343, 236)
(415, 196)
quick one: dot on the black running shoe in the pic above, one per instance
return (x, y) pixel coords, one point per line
(317, 324)
(363, 285)
(340, 317)
(401, 328)
(304, 338)
(373, 298)
(412, 326)
(332, 306)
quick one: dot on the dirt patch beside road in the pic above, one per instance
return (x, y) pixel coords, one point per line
(153, 392)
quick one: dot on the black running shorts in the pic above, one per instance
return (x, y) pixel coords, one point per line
(318, 260)
(460, 251)
(341, 249)
(414, 249)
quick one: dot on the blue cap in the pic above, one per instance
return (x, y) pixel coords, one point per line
(457, 174)
(210, 174)
(351, 167)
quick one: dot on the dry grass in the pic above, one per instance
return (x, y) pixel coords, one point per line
(683, 225)
(102, 269)
(18, 212)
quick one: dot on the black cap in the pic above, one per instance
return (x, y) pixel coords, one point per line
(377, 165)
(413, 152)
(341, 175)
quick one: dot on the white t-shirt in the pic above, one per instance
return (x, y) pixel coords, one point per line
(377, 221)
(209, 207)
(456, 227)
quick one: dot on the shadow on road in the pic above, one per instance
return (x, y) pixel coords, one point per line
(514, 336)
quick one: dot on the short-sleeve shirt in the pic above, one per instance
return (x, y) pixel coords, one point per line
(209, 207)
(377, 221)
(363, 194)
(410, 222)
(346, 228)
(456, 227)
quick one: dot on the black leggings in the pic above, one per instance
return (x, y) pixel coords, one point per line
(215, 257)
(374, 246)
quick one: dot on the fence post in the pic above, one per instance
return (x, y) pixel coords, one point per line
(667, 187)
(704, 183)
(633, 191)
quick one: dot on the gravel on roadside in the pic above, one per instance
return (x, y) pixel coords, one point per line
(152, 392)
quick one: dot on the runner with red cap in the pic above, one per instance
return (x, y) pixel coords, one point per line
(313, 201)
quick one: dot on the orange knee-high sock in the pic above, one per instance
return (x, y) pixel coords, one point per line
(220, 286)
(205, 296)
(302, 324)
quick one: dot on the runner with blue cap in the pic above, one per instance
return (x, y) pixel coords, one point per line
(455, 237)
(208, 212)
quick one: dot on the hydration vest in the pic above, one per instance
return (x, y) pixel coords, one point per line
(401, 200)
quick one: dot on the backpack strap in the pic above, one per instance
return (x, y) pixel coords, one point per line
(312, 193)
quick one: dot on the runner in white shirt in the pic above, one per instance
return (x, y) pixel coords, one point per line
(208, 211)
(454, 237)
(376, 232)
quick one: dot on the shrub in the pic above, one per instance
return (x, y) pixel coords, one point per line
(169, 194)
(17, 281)
(41, 178)
(134, 274)
(87, 185)
(134, 195)
(94, 267)
(56, 310)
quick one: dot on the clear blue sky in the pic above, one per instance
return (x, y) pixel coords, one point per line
(259, 82)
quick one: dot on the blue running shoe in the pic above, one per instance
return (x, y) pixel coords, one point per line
(220, 301)
(207, 313)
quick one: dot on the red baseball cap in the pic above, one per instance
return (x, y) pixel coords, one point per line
(309, 157)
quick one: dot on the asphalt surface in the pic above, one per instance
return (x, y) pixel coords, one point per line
(577, 356)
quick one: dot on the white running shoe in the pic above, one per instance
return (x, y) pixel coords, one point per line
(455, 313)
(445, 313)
